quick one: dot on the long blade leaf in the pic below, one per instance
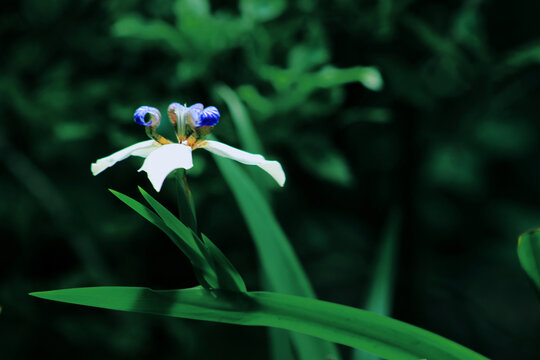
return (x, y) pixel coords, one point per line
(379, 299)
(279, 261)
(280, 346)
(228, 276)
(149, 215)
(204, 273)
(280, 264)
(246, 132)
(529, 255)
(386, 337)
(172, 221)
(143, 211)
(213, 260)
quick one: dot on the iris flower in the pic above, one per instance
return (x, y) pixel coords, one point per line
(162, 156)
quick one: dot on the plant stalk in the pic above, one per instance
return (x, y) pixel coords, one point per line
(186, 206)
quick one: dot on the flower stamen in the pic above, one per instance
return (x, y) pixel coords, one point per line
(154, 135)
(199, 143)
(176, 114)
(191, 141)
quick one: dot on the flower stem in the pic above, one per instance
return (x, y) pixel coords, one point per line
(186, 206)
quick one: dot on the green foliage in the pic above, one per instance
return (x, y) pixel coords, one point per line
(529, 255)
(349, 326)
(306, 347)
(224, 286)
(213, 269)
(381, 293)
(281, 267)
(451, 139)
(239, 115)
(259, 10)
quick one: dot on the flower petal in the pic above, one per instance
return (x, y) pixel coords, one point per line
(175, 112)
(271, 167)
(198, 106)
(164, 160)
(143, 149)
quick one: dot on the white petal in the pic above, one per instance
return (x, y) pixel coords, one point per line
(143, 148)
(271, 167)
(164, 160)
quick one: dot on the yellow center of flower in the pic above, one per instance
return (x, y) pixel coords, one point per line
(193, 142)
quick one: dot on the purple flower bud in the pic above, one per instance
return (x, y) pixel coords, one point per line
(147, 116)
(208, 117)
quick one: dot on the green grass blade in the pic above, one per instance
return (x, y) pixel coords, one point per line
(349, 326)
(329, 77)
(280, 342)
(280, 346)
(529, 255)
(249, 139)
(172, 222)
(379, 299)
(204, 273)
(213, 260)
(280, 264)
(186, 208)
(149, 215)
(142, 210)
(228, 277)
(246, 132)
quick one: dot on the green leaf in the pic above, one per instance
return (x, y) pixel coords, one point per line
(523, 56)
(437, 43)
(280, 344)
(228, 276)
(246, 132)
(213, 260)
(349, 326)
(248, 137)
(529, 255)
(281, 267)
(134, 26)
(186, 208)
(192, 253)
(329, 76)
(380, 296)
(379, 299)
(261, 10)
(279, 340)
(321, 158)
(203, 271)
(142, 210)
(172, 221)
(279, 261)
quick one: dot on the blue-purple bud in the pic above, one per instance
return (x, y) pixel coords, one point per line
(154, 116)
(208, 117)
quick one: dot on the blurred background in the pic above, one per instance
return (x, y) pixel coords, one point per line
(448, 135)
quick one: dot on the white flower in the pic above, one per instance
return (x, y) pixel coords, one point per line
(162, 156)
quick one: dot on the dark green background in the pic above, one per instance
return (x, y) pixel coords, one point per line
(451, 141)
